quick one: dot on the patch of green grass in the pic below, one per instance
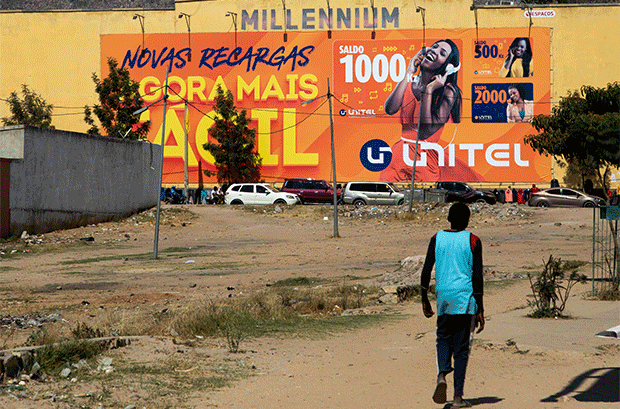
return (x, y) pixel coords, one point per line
(77, 273)
(501, 284)
(298, 281)
(352, 277)
(531, 267)
(216, 273)
(308, 326)
(291, 307)
(169, 382)
(181, 249)
(53, 358)
(102, 258)
(10, 255)
(10, 239)
(249, 253)
(7, 268)
(100, 285)
(224, 265)
(572, 264)
(171, 252)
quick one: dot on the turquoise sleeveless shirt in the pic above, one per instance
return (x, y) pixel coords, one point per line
(453, 273)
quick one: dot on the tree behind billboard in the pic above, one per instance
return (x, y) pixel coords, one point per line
(118, 100)
(235, 155)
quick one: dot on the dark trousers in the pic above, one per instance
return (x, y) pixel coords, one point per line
(453, 338)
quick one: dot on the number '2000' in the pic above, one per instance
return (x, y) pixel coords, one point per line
(490, 96)
(379, 68)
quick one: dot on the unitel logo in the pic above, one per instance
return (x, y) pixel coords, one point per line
(359, 112)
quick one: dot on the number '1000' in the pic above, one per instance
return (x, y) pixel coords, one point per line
(379, 68)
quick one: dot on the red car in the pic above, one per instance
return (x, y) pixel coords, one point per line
(310, 190)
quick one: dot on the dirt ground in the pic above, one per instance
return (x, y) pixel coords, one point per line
(221, 251)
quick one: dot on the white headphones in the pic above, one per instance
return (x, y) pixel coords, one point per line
(451, 69)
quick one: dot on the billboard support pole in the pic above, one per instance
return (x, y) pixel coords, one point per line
(415, 157)
(422, 11)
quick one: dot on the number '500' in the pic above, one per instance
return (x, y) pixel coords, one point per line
(486, 51)
(379, 68)
(493, 96)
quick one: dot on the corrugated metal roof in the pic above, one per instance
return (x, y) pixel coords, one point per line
(537, 3)
(48, 5)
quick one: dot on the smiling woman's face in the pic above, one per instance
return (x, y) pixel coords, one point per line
(514, 95)
(436, 55)
(520, 48)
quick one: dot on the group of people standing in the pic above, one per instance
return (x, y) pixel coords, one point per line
(514, 195)
(214, 195)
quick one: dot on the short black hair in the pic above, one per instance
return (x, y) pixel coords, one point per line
(458, 216)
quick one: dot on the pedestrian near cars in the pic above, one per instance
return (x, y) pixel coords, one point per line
(215, 194)
(520, 196)
(457, 256)
(508, 195)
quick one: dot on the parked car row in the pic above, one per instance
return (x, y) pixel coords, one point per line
(301, 191)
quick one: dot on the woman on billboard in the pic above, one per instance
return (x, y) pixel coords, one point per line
(433, 98)
(518, 62)
(519, 109)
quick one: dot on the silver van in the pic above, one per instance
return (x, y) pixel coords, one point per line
(362, 193)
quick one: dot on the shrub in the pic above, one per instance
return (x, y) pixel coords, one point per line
(551, 289)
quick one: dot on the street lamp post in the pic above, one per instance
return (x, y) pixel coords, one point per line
(189, 40)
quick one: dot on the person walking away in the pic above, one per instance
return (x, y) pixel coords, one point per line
(457, 256)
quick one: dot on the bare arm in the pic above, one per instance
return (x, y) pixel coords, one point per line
(425, 278)
(395, 100)
(509, 59)
(431, 122)
(478, 284)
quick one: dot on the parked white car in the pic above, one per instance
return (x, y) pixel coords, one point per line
(363, 193)
(258, 194)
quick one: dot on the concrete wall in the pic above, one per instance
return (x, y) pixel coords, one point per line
(68, 179)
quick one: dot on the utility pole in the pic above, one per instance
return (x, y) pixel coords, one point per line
(163, 136)
(329, 96)
(186, 180)
(334, 189)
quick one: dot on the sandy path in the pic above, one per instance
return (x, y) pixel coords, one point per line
(391, 365)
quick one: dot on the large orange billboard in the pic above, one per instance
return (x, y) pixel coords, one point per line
(456, 102)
